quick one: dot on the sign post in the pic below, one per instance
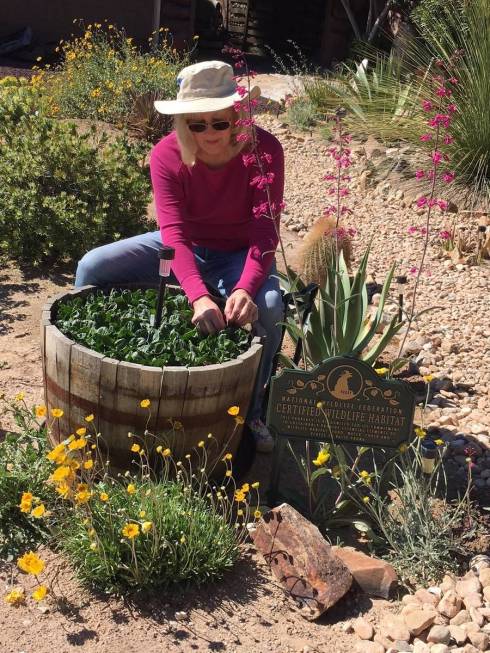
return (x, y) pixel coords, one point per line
(340, 400)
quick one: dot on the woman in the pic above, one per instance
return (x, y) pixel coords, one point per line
(209, 200)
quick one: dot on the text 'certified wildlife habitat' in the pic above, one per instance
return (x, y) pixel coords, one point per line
(357, 405)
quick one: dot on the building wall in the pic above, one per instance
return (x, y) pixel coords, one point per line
(52, 20)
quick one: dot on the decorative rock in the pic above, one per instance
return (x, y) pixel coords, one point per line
(420, 647)
(458, 634)
(439, 635)
(301, 560)
(424, 596)
(477, 617)
(402, 647)
(448, 583)
(363, 628)
(462, 617)
(375, 577)
(439, 648)
(450, 604)
(410, 599)
(469, 648)
(394, 628)
(369, 647)
(468, 585)
(486, 593)
(479, 640)
(419, 620)
(473, 600)
(384, 641)
(484, 577)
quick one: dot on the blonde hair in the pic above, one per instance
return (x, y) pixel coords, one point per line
(187, 143)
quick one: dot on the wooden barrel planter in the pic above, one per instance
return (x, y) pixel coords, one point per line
(81, 382)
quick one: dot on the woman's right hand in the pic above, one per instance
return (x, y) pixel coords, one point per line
(207, 315)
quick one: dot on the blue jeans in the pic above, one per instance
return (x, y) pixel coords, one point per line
(136, 260)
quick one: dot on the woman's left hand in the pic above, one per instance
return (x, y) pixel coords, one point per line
(240, 308)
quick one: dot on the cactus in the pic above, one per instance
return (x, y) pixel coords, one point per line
(318, 250)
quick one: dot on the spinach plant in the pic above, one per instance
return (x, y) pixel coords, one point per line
(118, 325)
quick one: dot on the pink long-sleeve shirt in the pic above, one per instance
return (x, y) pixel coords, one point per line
(213, 208)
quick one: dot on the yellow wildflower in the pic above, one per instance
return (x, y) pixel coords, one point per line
(166, 452)
(239, 420)
(439, 442)
(403, 447)
(15, 597)
(88, 464)
(239, 512)
(30, 563)
(245, 487)
(227, 456)
(257, 514)
(142, 513)
(77, 444)
(428, 378)
(61, 474)
(159, 448)
(382, 371)
(83, 496)
(322, 458)
(91, 532)
(200, 444)
(228, 473)
(55, 453)
(40, 411)
(319, 404)
(38, 511)
(366, 499)
(19, 396)
(89, 418)
(146, 526)
(57, 412)
(81, 431)
(131, 531)
(364, 474)
(420, 433)
(26, 497)
(63, 490)
(93, 546)
(233, 410)
(144, 403)
(25, 506)
(103, 496)
(135, 448)
(40, 593)
(182, 539)
(131, 489)
(177, 426)
(239, 496)
(255, 485)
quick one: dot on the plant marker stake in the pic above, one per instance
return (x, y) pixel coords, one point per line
(166, 256)
(428, 451)
(401, 281)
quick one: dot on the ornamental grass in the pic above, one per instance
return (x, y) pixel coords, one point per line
(160, 523)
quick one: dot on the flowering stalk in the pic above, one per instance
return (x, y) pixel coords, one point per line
(264, 179)
(440, 123)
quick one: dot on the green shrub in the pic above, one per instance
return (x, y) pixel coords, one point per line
(188, 541)
(301, 113)
(64, 192)
(118, 325)
(102, 74)
(23, 468)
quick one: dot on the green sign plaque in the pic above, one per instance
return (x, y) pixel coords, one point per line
(357, 405)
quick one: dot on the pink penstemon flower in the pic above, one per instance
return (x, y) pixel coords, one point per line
(440, 124)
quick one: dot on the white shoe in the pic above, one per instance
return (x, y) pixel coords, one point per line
(264, 442)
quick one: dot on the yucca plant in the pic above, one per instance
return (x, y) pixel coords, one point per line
(339, 323)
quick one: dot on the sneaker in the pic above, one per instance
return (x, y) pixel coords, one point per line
(264, 442)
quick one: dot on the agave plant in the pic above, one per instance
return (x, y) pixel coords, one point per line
(339, 323)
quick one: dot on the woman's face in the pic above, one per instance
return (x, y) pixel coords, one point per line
(212, 142)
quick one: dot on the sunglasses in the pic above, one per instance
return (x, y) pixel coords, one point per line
(200, 127)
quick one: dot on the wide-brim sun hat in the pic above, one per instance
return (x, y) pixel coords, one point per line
(203, 87)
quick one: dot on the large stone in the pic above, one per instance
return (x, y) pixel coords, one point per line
(477, 617)
(448, 583)
(419, 620)
(363, 628)
(440, 648)
(439, 635)
(468, 585)
(486, 593)
(375, 577)
(301, 560)
(369, 647)
(462, 617)
(424, 596)
(458, 634)
(450, 604)
(479, 640)
(394, 627)
(420, 647)
(473, 600)
(484, 576)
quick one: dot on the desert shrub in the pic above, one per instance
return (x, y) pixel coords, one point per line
(301, 113)
(102, 74)
(64, 192)
(23, 469)
(118, 325)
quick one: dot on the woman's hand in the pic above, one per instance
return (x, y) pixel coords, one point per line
(240, 308)
(207, 315)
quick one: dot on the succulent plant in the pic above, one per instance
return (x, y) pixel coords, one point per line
(317, 252)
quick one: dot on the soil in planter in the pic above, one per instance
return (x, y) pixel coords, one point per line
(118, 325)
